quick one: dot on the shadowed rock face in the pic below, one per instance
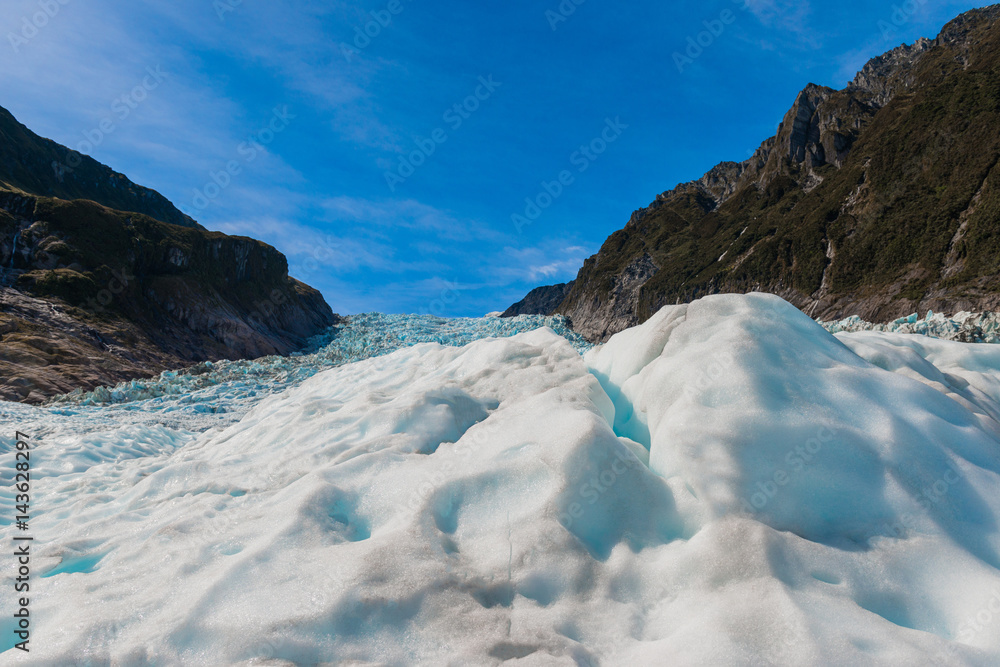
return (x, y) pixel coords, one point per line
(599, 319)
(42, 167)
(540, 301)
(877, 200)
(94, 296)
(91, 295)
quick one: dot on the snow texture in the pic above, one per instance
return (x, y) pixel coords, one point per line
(727, 484)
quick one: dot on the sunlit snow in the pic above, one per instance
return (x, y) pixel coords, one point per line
(727, 484)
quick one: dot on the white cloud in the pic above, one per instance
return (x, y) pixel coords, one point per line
(789, 16)
(547, 262)
(407, 214)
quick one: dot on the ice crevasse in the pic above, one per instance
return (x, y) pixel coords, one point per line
(727, 484)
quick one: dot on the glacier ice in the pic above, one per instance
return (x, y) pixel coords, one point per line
(728, 483)
(214, 395)
(964, 326)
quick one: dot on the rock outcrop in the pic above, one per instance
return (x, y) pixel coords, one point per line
(38, 166)
(876, 200)
(540, 301)
(91, 295)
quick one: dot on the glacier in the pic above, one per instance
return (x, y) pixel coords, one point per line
(726, 484)
(964, 326)
(217, 394)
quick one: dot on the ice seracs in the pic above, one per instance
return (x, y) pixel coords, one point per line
(964, 326)
(728, 484)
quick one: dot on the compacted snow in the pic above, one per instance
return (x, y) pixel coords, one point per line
(727, 484)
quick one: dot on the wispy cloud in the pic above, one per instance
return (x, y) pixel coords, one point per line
(407, 214)
(791, 17)
(551, 261)
(312, 251)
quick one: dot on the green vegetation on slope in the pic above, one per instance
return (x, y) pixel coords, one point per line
(890, 216)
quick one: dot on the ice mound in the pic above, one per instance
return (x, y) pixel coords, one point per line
(727, 484)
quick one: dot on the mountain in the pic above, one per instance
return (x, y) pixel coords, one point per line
(540, 301)
(42, 167)
(116, 283)
(877, 200)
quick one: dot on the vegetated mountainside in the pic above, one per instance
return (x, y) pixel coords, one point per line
(91, 296)
(42, 167)
(877, 200)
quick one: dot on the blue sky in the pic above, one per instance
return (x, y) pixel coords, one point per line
(349, 155)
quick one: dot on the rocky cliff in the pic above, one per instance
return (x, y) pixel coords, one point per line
(38, 166)
(540, 301)
(91, 295)
(876, 200)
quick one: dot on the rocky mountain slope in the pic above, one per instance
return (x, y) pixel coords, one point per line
(42, 167)
(877, 200)
(91, 295)
(540, 301)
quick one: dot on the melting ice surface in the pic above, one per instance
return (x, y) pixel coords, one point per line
(727, 484)
(218, 394)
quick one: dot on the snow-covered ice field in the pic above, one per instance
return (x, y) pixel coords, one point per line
(727, 484)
